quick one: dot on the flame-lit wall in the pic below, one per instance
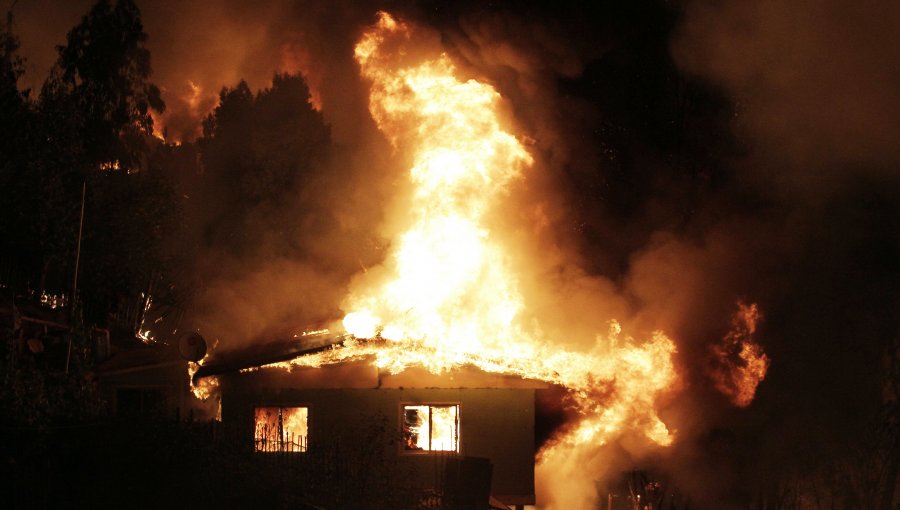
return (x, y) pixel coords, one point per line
(355, 404)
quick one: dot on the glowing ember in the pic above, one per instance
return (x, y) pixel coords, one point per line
(741, 363)
(145, 335)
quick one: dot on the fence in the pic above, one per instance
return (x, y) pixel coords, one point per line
(167, 463)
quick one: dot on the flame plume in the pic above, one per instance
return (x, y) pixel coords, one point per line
(446, 296)
(449, 283)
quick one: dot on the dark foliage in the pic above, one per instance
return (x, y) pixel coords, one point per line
(169, 464)
(102, 77)
(49, 388)
(88, 131)
(256, 152)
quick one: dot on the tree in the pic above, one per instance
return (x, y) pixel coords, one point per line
(13, 106)
(18, 240)
(12, 66)
(94, 118)
(102, 76)
(257, 151)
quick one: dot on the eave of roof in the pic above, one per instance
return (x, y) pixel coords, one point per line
(264, 354)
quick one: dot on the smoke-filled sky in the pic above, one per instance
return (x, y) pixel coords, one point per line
(688, 155)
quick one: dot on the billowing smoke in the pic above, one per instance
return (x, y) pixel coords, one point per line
(691, 157)
(688, 156)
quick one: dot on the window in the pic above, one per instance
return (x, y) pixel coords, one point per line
(280, 429)
(431, 427)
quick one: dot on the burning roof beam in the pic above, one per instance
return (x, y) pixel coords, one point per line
(273, 352)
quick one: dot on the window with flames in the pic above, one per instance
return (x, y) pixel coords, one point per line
(431, 427)
(280, 429)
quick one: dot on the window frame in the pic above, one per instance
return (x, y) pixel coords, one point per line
(281, 407)
(430, 404)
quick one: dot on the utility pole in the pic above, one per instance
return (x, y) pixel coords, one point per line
(75, 278)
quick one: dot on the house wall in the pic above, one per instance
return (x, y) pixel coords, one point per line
(168, 380)
(495, 423)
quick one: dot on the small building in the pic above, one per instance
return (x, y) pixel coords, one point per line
(464, 434)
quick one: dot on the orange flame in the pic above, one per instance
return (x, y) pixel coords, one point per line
(448, 283)
(741, 363)
(446, 296)
(205, 387)
(187, 106)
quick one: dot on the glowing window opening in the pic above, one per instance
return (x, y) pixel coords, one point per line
(429, 427)
(281, 429)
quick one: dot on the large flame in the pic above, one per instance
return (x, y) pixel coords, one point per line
(448, 282)
(446, 295)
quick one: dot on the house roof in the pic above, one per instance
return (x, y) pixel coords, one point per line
(139, 358)
(363, 374)
(258, 355)
(349, 374)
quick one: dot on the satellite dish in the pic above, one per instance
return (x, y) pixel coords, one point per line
(192, 346)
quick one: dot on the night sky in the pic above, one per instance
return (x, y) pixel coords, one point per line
(689, 155)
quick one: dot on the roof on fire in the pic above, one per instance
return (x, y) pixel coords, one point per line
(350, 374)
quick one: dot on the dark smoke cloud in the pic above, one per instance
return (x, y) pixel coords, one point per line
(816, 88)
(817, 82)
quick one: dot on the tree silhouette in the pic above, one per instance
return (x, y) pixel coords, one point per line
(15, 121)
(102, 77)
(256, 151)
(90, 126)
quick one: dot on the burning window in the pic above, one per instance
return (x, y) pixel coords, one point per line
(431, 427)
(280, 429)
(110, 166)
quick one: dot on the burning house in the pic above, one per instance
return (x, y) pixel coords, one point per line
(437, 346)
(463, 434)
